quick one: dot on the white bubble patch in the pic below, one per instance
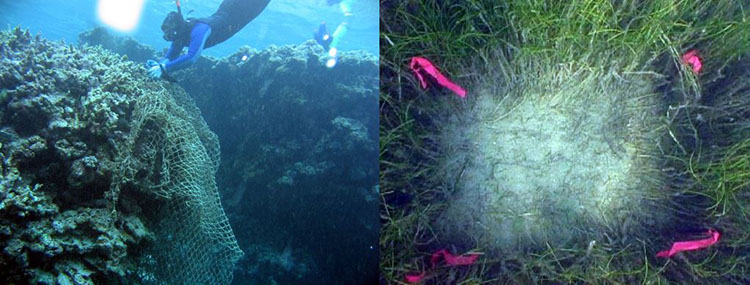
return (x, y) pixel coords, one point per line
(546, 160)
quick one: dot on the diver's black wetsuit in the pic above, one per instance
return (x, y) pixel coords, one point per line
(231, 17)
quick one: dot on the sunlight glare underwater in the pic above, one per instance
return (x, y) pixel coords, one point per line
(121, 15)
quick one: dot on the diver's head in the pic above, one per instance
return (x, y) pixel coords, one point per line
(172, 26)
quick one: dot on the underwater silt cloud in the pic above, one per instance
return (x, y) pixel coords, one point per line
(547, 153)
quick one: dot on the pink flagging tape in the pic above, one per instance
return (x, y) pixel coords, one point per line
(693, 59)
(415, 278)
(691, 245)
(422, 64)
(450, 260)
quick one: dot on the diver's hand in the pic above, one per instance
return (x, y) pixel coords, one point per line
(155, 71)
(151, 63)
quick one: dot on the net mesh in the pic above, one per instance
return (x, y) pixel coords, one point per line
(172, 157)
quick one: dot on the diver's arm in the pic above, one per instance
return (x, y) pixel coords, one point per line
(198, 37)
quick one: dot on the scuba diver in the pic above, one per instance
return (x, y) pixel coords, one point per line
(328, 41)
(200, 33)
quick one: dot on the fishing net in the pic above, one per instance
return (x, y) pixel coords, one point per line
(171, 158)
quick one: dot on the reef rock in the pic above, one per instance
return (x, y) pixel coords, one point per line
(292, 131)
(62, 111)
(73, 209)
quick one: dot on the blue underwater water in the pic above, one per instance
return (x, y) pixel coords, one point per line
(282, 22)
(298, 141)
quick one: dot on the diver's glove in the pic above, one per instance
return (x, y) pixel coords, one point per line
(155, 69)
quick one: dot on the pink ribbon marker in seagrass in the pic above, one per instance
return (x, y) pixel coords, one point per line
(419, 64)
(691, 245)
(450, 260)
(692, 58)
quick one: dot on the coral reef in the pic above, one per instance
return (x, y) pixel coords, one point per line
(285, 90)
(293, 131)
(122, 45)
(63, 112)
(302, 137)
(285, 266)
(71, 210)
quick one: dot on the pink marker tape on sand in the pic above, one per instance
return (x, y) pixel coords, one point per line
(422, 64)
(450, 260)
(693, 59)
(415, 278)
(691, 245)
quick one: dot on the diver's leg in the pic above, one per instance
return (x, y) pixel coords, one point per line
(338, 34)
(346, 7)
(243, 11)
